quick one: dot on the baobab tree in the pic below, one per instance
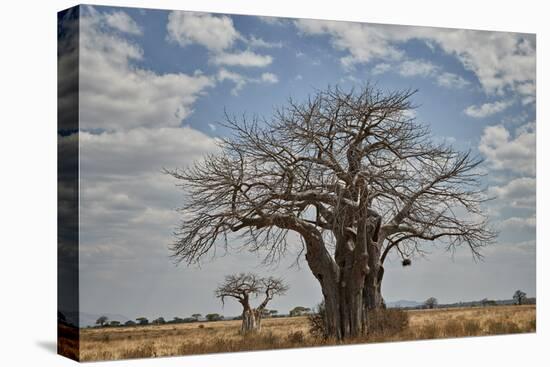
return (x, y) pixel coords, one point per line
(353, 175)
(243, 287)
(519, 297)
(431, 303)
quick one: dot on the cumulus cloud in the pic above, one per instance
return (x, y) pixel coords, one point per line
(241, 80)
(519, 223)
(275, 21)
(424, 69)
(215, 32)
(450, 80)
(363, 42)
(501, 61)
(256, 42)
(141, 150)
(381, 68)
(218, 34)
(115, 94)
(269, 78)
(123, 22)
(127, 203)
(238, 79)
(504, 152)
(487, 109)
(417, 68)
(518, 193)
(245, 58)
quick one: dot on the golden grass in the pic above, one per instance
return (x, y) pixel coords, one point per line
(291, 332)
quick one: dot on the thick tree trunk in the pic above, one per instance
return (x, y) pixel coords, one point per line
(342, 282)
(251, 321)
(343, 310)
(372, 291)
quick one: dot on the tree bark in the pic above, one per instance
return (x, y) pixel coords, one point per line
(251, 321)
(372, 291)
(342, 282)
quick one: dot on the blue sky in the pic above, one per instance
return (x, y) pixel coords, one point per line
(155, 83)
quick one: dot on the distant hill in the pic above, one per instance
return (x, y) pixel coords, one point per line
(403, 304)
(501, 302)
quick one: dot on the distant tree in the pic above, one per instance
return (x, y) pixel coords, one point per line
(430, 303)
(487, 302)
(114, 323)
(214, 317)
(142, 320)
(272, 313)
(129, 323)
(159, 321)
(102, 320)
(177, 320)
(299, 311)
(244, 286)
(519, 297)
(189, 319)
(196, 316)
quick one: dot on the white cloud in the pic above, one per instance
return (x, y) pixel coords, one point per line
(273, 20)
(426, 69)
(216, 33)
(240, 80)
(269, 78)
(450, 80)
(506, 153)
(117, 95)
(422, 68)
(381, 68)
(364, 42)
(520, 223)
(255, 42)
(244, 59)
(417, 68)
(487, 109)
(501, 61)
(526, 128)
(126, 201)
(518, 193)
(123, 22)
(141, 150)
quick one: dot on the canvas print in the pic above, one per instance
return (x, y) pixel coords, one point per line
(232, 183)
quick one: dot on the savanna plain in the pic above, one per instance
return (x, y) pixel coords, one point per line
(109, 343)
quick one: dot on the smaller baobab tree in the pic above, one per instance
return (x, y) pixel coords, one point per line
(431, 303)
(243, 287)
(519, 297)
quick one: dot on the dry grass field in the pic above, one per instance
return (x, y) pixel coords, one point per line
(291, 332)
